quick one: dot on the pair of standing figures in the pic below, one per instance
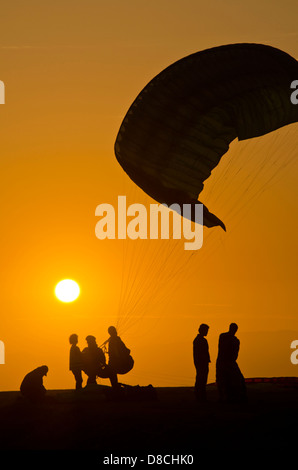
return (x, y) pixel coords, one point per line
(229, 379)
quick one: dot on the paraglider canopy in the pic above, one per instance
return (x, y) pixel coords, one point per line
(181, 124)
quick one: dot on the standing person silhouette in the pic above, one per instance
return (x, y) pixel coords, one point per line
(229, 379)
(120, 359)
(75, 361)
(201, 359)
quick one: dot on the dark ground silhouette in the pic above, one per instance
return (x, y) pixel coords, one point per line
(173, 423)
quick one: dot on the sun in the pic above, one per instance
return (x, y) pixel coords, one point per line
(67, 290)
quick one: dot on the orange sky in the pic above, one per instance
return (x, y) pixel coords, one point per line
(71, 70)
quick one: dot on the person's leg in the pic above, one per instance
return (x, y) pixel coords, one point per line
(78, 378)
(108, 373)
(201, 381)
(197, 384)
(220, 382)
(91, 379)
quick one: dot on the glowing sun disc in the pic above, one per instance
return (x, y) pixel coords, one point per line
(67, 290)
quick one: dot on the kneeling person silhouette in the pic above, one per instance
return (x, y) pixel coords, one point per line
(94, 363)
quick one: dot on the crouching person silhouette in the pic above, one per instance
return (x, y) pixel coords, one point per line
(32, 385)
(94, 363)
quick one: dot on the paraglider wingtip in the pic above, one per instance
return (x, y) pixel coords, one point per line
(211, 220)
(220, 223)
